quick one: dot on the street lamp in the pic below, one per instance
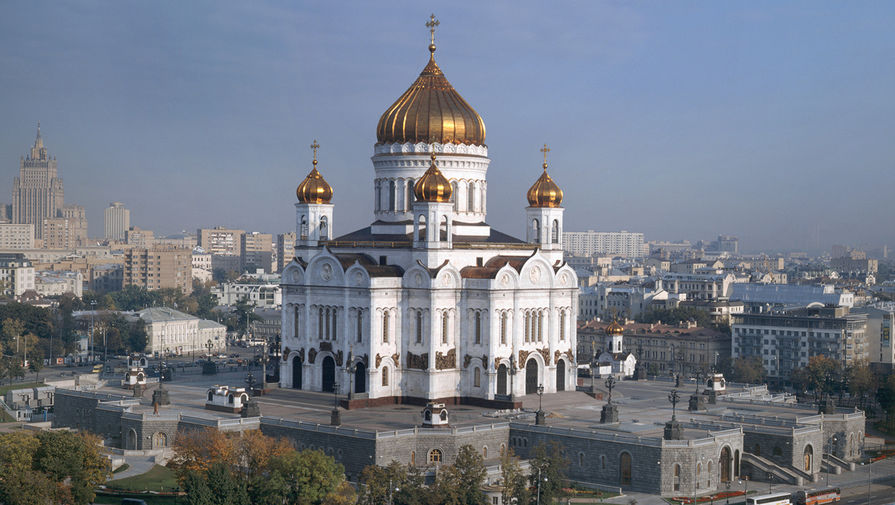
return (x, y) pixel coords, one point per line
(351, 368)
(539, 416)
(832, 444)
(539, 486)
(335, 418)
(209, 345)
(92, 313)
(673, 397)
(727, 485)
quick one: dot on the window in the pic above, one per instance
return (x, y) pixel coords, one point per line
(335, 325)
(503, 328)
(419, 326)
(391, 195)
(360, 325)
(378, 196)
(470, 197)
(477, 377)
(562, 326)
(485, 452)
(295, 322)
(435, 456)
(408, 203)
(444, 327)
(324, 232)
(320, 323)
(540, 326)
(385, 321)
(554, 237)
(385, 376)
(478, 327)
(455, 195)
(412, 457)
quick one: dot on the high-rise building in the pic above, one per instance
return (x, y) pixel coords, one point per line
(224, 245)
(117, 221)
(58, 233)
(37, 192)
(285, 249)
(157, 268)
(139, 237)
(257, 251)
(613, 243)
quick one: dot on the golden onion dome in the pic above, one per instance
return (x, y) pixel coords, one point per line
(544, 192)
(314, 188)
(433, 186)
(614, 329)
(431, 111)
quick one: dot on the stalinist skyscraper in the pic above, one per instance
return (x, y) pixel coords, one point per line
(37, 191)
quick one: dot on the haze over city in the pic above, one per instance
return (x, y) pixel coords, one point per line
(765, 120)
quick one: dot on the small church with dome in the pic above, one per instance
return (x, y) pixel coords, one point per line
(429, 303)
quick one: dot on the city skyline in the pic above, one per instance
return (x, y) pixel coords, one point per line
(742, 120)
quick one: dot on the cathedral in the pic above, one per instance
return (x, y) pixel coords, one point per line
(429, 303)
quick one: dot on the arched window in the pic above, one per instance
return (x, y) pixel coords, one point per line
(378, 203)
(421, 224)
(295, 321)
(562, 326)
(324, 228)
(384, 376)
(602, 462)
(385, 327)
(477, 377)
(485, 452)
(391, 195)
(478, 327)
(503, 328)
(320, 323)
(554, 232)
(443, 229)
(360, 325)
(470, 197)
(526, 325)
(677, 477)
(329, 328)
(540, 326)
(698, 468)
(419, 327)
(444, 327)
(624, 474)
(435, 456)
(408, 203)
(230, 398)
(535, 231)
(304, 227)
(455, 195)
(581, 459)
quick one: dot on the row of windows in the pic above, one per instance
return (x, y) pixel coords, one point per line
(387, 194)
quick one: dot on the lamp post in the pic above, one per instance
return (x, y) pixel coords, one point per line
(539, 486)
(770, 483)
(351, 368)
(674, 397)
(335, 418)
(92, 345)
(727, 485)
(512, 374)
(610, 383)
(390, 489)
(832, 444)
(209, 345)
(539, 416)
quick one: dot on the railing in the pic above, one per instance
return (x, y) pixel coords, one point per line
(322, 428)
(590, 434)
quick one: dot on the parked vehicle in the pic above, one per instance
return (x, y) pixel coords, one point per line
(816, 497)
(770, 499)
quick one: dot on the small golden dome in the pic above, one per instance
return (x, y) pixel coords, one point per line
(431, 111)
(544, 192)
(614, 329)
(314, 188)
(433, 186)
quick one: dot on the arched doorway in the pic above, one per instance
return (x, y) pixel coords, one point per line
(296, 372)
(329, 373)
(131, 444)
(809, 458)
(502, 379)
(360, 378)
(531, 377)
(725, 464)
(560, 375)
(736, 463)
(159, 441)
(624, 469)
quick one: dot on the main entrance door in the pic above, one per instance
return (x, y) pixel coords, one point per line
(296, 372)
(531, 377)
(725, 464)
(329, 373)
(502, 379)
(360, 378)
(560, 375)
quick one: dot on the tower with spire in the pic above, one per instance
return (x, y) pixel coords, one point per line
(37, 192)
(544, 213)
(313, 212)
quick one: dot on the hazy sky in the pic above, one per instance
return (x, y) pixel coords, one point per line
(772, 121)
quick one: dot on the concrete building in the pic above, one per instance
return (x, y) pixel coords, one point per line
(16, 236)
(699, 286)
(784, 340)
(611, 300)
(256, 251)
(285, 249)
(139, 237)
(37, 191)
(157, 268)
(173, 332)
(106, 277)
(117, 220)
(201, 265)
(59, 233)
(77, 222)
(16, 274)
(52, 283)
(880, 323)
(220, 240)
(764, 297)
(255, 294)
(617, 243)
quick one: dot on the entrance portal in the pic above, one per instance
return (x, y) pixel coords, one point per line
(502, 380)
(329, 374)
(531, 377)
(360, 378)
(560, 375)
(296, 372)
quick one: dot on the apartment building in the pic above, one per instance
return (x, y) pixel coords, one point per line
(156, 268)
(16, 236)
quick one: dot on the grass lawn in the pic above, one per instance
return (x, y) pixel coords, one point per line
(159, 478)
(23, 385)
(6, 418)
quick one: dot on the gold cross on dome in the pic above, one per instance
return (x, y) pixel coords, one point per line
(431, 24)
(545, 150)
(315, 146)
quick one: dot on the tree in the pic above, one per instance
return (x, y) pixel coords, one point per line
(12, 330)
(461, 483)
(515, 483)
(309, 477)
(198, 450)
(404, 483)
(196, 488)
(549, 466)
(748, 370)
(861, 381)
(36, 365)
(224, 486)
(885, 395)
(821, 372)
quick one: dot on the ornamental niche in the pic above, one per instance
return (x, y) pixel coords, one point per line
(312, 355)
(418, 361)
(447, 360)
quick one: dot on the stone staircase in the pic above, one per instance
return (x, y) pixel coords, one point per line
(837, 462)
(783, 474)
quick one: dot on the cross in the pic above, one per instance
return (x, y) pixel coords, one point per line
(673, 397)
(610, 383)
(545, 150)
(315, 146)
(431, 24)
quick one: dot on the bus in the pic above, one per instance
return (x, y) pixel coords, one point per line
(97, 368)
(770, 499)
(816, 497)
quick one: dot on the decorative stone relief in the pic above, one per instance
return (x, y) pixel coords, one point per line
(419, 362)
(326, 346)
(535, 274)
(378, 360)
(485, 361)
(358, 279)
(286, 352)
(466, 359)
(523, 357)
(396, 360)
(312, 355)
(545, 353)
(339, 358)
(446, 360)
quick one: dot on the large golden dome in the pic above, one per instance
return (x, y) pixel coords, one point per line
(544, 192)
(431, 111)
(433, 186)
(314, 188)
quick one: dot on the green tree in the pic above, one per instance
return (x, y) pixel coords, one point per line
(461, 483)
(12, 330)
(405, 483)
(36, 364)
(14, 369)
(748, 370)
(515, 483)
(310, 477)
(885, 395)
(225, 488)
(196, 488)
(73, 459)
(549, 466)
(821, 373)
(861, 381)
